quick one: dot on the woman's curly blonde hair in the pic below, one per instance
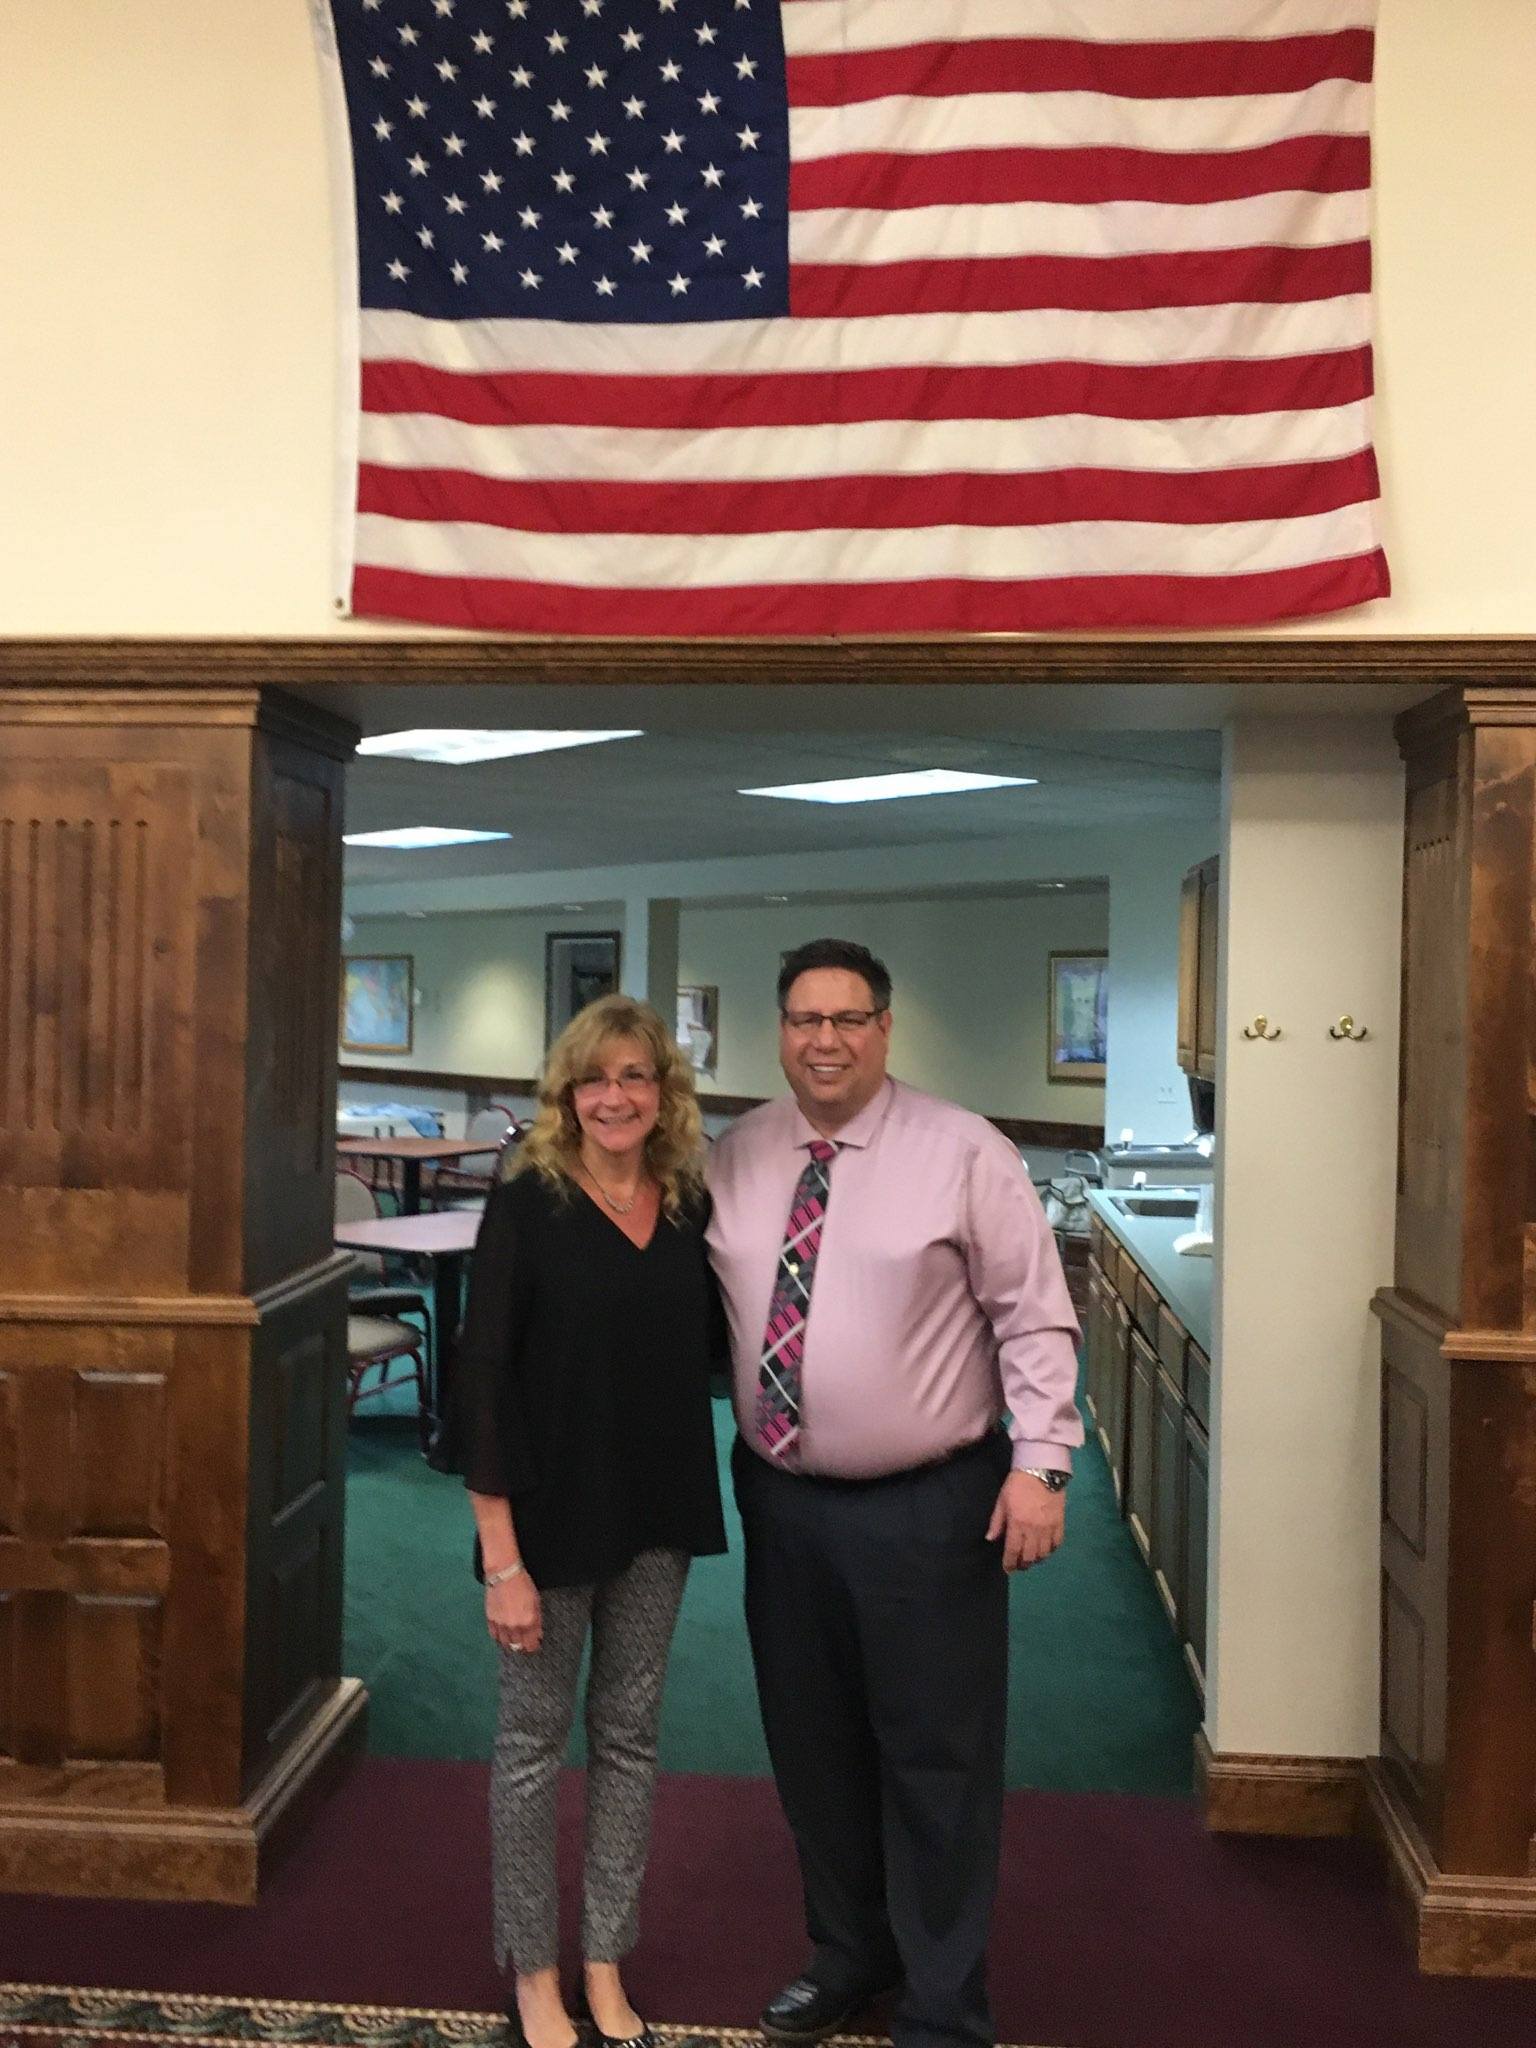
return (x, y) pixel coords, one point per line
(674, 1150)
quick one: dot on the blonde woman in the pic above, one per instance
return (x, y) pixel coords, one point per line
(582, 1428)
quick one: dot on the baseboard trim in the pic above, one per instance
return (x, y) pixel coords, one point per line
(211, 1855)
(1278, 1795)
(1474, 1926)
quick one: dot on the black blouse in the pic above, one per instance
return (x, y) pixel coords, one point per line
(581, 1382)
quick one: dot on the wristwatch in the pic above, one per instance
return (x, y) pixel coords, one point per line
(1048, 1476)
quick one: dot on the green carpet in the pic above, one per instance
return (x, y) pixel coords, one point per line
(1100, 1700)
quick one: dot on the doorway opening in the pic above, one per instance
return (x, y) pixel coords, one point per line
(1000, 910)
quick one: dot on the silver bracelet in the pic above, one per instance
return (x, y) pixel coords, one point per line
(508, 1571)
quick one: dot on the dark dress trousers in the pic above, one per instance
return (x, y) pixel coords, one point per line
(878, 1617)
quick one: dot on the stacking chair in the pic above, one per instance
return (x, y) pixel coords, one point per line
(469, 1180)
(376, 1335)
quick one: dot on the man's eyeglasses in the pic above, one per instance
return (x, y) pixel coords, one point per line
(633, 1081)
(846, 1023)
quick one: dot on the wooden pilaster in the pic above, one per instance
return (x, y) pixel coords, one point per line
(171, 1309)
(1454, 1791)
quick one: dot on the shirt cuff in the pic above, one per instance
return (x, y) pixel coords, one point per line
(1050, 1457)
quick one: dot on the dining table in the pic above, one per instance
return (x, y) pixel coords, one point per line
(443, 1239)
(412, 1154)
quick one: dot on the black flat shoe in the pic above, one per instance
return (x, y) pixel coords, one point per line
(516, 2036)
(644, 2039)
(807, 2011)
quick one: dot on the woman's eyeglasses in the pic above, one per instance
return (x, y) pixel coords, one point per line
(633, 1081)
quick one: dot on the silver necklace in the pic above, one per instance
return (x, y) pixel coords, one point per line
(619, 1208)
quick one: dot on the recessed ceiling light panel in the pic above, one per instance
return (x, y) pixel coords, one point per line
(459, 745)
(873, 789)
(409, 836)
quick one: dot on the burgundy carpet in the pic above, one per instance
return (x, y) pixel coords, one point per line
(1121, 1924)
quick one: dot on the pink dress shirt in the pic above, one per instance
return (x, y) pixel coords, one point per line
(938, 1300)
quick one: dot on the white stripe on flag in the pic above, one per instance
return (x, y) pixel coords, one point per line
(1076, 120)
(1124, 228)
(768, 348)
(813, 27)
(617, 561)
(865, 447)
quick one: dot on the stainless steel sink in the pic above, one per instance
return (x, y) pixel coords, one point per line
(1150, 1204)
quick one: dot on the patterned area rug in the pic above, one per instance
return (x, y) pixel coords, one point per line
(47, 2016)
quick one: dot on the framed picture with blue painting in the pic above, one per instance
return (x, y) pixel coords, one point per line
(377, 1002)
(1077, 1016)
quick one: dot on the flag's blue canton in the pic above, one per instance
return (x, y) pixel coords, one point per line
(605, 160)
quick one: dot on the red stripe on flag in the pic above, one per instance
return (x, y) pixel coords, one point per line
(1082, 177)
(1148, 71)
(1139, 391)
(1097, 284)
(1048, 605)
(1045, 498)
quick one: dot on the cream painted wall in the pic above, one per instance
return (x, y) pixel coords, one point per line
(970, 975)
(480, 986)
(1311, 920)
(970, 991)
(170, 314)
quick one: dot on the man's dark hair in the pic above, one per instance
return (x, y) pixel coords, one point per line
(845, 953)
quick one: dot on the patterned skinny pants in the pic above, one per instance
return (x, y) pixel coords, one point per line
(631, 1616)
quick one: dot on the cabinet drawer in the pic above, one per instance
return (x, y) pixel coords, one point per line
(1127, 1273)
(1171, 1340)
(1197, 1384)
(1146, 1306)
(1096, 1239)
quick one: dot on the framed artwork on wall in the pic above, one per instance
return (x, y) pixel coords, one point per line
(1077, 1016)
(578, 968)
(377, 1002)
(698, 1028)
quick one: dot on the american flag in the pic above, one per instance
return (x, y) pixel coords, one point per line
(783, 317)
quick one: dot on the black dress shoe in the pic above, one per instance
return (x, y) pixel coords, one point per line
(806, 2010)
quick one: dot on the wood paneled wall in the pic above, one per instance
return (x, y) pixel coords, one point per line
(1454, 1793)
(171, 1309)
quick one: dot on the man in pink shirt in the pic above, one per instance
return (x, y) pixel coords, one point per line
(893, 1291)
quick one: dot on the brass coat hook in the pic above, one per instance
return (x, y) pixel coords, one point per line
(1348, 1028)
(1262, 1028)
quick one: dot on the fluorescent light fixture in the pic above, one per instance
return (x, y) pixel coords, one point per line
(458, 745)
(421, 835)
(874, 789)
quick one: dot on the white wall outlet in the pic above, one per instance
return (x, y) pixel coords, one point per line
(1168, 1092)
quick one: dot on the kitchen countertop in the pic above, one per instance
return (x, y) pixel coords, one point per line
(1184, 1283)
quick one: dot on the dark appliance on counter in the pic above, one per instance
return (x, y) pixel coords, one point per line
(1202, 1105)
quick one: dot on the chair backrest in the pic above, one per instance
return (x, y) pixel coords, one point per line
(356, 1202)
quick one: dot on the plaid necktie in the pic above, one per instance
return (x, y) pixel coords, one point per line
(778, 1379)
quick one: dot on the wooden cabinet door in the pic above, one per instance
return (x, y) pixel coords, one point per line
(1189, 968)
(1205, 998)
(1197, 1515)
(1197, 1383)
(1141, 1450)
(1168, 1500)
(1117, 1365)
(1093, 1346)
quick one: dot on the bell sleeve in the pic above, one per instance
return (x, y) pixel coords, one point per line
(485, 1437)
